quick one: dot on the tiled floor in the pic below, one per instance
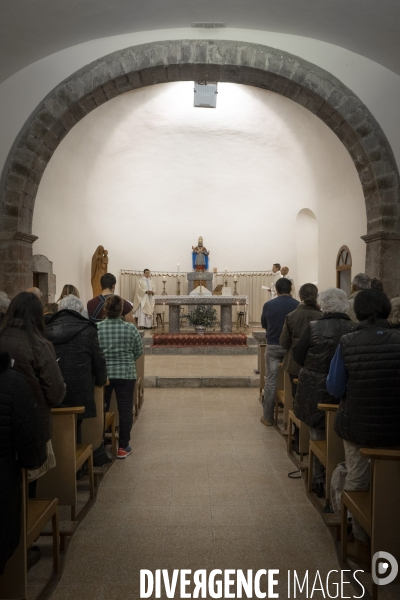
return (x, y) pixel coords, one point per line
(201, 366)
(206, 487)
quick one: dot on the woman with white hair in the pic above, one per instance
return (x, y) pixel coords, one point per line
(4, 304)
(314, 352)
(81, 360)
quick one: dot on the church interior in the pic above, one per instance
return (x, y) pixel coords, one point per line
(199, 299)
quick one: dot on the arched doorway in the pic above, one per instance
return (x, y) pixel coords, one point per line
(193, 60)
(343, 269)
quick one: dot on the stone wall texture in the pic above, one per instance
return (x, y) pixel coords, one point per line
(190, 60)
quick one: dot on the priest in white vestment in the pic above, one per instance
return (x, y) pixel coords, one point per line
(276, 270)
(143, 302)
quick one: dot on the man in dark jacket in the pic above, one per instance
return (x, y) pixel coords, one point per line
(365, 375)
(295, 323)
(81, 360)
(22, 444)
(272, 319)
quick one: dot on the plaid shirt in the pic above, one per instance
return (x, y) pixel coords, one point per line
(122, 346)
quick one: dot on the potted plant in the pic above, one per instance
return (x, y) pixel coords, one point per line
(202, 317)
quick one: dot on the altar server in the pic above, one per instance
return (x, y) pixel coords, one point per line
(143, 302)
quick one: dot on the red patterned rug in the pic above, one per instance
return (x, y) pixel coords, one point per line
(179, 340)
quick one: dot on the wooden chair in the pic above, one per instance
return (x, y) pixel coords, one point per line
(377, 510)
(60, 482)
(159, 320)
(240, 322)
(330, 451)
(35, 514)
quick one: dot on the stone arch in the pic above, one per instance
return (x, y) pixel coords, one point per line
(189, 60)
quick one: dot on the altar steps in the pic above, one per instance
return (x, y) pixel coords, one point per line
(251, 348)
(224, 381)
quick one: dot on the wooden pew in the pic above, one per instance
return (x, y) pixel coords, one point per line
(261, 352)
(330, 451)
(304, 435)
(60, 482)
(304, 431)
(93, 429)
(280, 393)
(35, 514)
(377, 510)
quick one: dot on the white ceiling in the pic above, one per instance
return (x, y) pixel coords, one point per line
(33, 29)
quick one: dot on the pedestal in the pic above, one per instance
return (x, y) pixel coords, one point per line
(204, 276)
(174, 318)
(226, 318)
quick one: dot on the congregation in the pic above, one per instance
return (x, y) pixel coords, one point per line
(333, 348)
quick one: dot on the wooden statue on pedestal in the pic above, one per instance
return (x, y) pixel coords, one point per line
(99, 268)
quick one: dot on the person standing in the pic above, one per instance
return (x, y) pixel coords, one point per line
(361, 281)
(82, 361)
(142, 304)
(284, 273)
(365, 376)
(22, 445)
(272, 319)
(22, 336)
(122, 346)
(276, 270)
(295, 323)
(314, 352)
(95, 307)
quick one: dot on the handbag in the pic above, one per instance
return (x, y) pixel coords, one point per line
(48, 464)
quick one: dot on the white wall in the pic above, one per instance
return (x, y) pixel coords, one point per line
(146, 174)
(376, 86)
(307, 247)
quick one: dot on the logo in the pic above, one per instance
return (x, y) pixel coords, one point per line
(384, 568)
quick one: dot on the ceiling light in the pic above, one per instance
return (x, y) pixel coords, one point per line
(205, 94)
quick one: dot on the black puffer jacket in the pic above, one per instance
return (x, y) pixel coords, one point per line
(81, 360)
(324, 336)
(370, 413)
(22, 444)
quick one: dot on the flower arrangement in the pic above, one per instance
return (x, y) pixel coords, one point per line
(203, 316)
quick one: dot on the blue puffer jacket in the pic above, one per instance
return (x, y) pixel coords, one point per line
(370, 413)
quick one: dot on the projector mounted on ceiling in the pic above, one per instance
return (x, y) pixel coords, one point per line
(210, 25)
(205, 94)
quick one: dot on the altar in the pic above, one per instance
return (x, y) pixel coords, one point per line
(175, 302)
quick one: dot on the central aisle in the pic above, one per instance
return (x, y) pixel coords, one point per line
(206, 487)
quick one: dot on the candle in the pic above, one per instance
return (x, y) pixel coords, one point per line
(226, 270)
(164, 279)
(235, 278)
(178, 269)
